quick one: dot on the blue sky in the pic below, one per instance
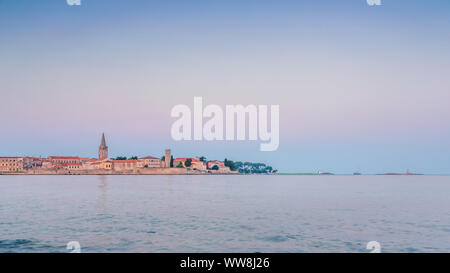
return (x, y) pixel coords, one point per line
(359, 87)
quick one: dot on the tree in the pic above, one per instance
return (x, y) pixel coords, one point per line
(248, 167)
(230, 164)
(202, 159)
(180, 165)
(171, 161)
(215, 167)
(121, 158)
(133, 157)
(188, 162)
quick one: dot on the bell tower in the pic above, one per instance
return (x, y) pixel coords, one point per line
(103, 149)
(167, 157)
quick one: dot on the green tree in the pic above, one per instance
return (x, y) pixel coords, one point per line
(202, 159)
(230, 164)
(180, 165)
(133, 157)
(188, 162)
(121, 158)
(215, 167)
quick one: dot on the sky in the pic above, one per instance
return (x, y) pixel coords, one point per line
(360, 88)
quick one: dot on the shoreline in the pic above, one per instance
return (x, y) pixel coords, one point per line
(200, 173)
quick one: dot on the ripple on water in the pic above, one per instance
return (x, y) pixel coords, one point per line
(23, 245)
(231, 213)
(276, 239)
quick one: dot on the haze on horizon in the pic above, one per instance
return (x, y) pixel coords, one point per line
(359, 87)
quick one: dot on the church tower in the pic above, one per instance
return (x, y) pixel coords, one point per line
(167, 158)
(103, 149)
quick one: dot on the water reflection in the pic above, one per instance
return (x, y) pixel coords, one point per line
(103, 196)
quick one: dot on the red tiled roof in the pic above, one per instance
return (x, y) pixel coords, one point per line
(64, 157)
(91, 160)
(33, 158)
(66, 164)
(184, 159)
(149, 157)
(125, 161)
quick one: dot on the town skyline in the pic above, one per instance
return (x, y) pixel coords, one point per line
(104, 164)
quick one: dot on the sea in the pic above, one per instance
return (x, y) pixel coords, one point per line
(229, 213)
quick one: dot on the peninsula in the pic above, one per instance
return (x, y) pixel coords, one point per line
(165, 165)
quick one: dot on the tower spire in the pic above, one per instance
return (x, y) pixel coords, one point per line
(103, 142)
(103, 149)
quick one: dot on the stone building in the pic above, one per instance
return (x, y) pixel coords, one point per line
(195, 163)
(68, 166)
(151, 162)
(221, 168)
(129, 164)
(11, 164)
(64, 159)
(107, 165)
(32, 162)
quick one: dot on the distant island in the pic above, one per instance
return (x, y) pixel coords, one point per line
(167, 164)
(407, 173)
(317, 173)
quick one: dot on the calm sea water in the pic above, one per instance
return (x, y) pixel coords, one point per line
(224, 213)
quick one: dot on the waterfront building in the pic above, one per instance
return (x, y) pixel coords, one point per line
(76, 163)
(129, 164)
(217, 163)
(92, 165)
(95, 164)
(32, 162)
(64, 159)
(195, 163)
(67, 166)
(11, 164)
(151, 162)
(107, 165)
(221, 168)
(62, 162)
(57, 166)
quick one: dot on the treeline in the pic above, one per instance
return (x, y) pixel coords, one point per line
(125, 158)
(241, 167)
(249, 167)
